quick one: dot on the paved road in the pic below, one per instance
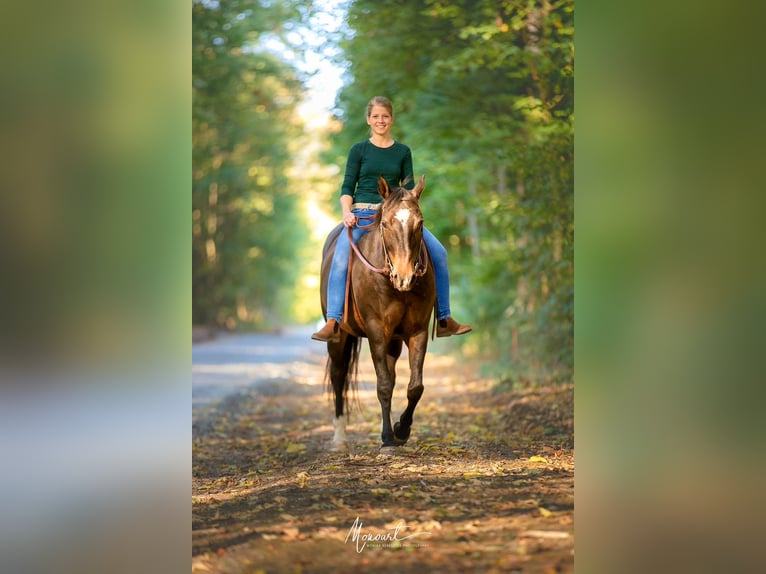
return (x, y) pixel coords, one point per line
(233, 362)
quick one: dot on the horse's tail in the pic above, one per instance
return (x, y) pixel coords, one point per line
(352, 377)
(351, 353)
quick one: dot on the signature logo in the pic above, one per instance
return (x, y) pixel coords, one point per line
(386, 538)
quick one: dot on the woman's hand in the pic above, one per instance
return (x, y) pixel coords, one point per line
(349, 219)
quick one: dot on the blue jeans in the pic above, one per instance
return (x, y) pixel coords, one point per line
(336, 285)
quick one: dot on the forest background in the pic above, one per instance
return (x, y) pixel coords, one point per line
(483, 94)
(669, 266)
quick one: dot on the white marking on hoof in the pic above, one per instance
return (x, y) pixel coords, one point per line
(339, 440)
(388, 451)
(339, 446)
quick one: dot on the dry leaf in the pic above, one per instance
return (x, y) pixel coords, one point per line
(551, 534)
(291, 532)
(198, 565)
(538, 459)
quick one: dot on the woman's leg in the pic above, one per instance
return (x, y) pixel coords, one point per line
(447, 325)
(439, 260)
(336, 290)
(336, 283)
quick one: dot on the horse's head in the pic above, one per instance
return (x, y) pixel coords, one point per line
(401, 229)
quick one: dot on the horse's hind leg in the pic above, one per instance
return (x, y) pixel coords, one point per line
(417, 350)
(340, 359)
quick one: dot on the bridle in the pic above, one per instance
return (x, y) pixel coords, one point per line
(421, 265)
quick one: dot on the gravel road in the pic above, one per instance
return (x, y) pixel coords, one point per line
(231, 363)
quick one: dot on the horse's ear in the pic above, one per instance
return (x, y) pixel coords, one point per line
(421, 185)
(383, 188)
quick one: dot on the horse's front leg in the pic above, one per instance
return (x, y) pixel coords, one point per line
(386, 380)
(417, 345)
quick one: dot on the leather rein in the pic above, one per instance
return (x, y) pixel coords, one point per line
(421, 266)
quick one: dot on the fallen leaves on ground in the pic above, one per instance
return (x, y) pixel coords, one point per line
(485, 483)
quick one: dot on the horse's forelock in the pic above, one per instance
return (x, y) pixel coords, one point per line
(396, 196)
(399, 195)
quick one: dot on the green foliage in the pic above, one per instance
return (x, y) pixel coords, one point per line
(484, 94)
(242, 121)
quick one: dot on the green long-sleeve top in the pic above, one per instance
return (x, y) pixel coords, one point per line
(366, 162)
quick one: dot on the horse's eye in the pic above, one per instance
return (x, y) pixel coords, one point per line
(383, 224)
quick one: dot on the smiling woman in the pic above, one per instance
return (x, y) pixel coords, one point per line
(380, 156)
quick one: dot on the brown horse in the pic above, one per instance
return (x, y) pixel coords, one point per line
(392, 295)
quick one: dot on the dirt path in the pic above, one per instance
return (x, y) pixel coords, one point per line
(485, 484)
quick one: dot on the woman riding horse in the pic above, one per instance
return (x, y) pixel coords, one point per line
(392, 294)
(380, 155)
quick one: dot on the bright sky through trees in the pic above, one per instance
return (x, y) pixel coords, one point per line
(313, 52)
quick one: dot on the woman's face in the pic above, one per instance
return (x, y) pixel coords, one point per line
(380, 120)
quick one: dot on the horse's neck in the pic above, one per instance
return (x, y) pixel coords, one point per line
(371, 246)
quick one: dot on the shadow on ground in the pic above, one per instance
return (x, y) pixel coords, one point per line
(485, 484)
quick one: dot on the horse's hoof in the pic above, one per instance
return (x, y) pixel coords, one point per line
(399, 436)
(387, 450)
(339, 446)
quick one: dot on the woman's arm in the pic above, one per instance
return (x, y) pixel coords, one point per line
(353, 166)
(350, 179)
(349, 219)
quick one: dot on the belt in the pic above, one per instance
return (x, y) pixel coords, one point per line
(373, 206)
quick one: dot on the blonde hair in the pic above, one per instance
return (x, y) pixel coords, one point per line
(380, 101)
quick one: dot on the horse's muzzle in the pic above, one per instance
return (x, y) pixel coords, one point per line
(402, 282)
